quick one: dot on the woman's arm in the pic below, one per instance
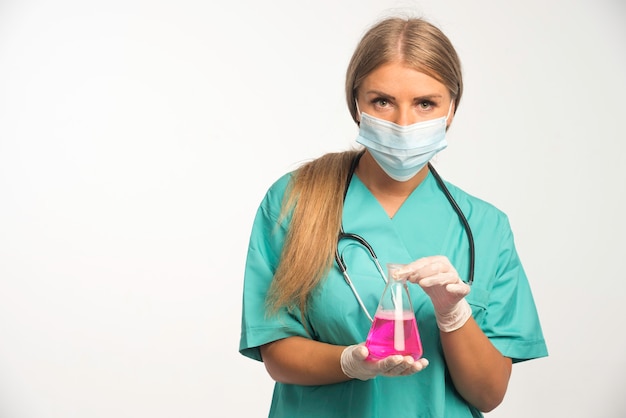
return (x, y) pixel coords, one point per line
(300, 361)
(479, 372)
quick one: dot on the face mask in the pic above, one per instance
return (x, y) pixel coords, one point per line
(402, 151)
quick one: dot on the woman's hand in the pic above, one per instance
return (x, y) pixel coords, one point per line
(446, 290)
(354, 364)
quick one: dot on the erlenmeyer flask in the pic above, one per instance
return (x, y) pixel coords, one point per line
(394, 330)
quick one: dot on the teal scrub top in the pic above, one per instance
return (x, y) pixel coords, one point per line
(425, 225)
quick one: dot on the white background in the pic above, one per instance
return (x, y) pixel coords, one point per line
(138, 137)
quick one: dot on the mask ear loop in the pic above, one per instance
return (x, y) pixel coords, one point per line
(358, 111)
(449, 110)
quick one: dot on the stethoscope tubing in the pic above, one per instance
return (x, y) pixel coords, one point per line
(346, 235)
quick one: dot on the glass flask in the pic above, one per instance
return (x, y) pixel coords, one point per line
(394, 330)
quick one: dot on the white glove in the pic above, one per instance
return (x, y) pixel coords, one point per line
(355, 365)
(446, 290)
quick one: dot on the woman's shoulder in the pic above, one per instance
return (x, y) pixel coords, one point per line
(476, 207)
(276, 191)
(326, 163)
(280, 184)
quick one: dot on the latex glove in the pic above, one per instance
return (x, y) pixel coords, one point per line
(355, 365)
(446, 290)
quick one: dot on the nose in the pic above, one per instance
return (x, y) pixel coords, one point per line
(405, 116)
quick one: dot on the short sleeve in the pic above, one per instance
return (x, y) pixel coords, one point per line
(265, 246)
(511, 320)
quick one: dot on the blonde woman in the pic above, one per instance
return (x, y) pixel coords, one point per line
(312, 285)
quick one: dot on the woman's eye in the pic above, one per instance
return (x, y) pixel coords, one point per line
(381, 102)
(425, 105)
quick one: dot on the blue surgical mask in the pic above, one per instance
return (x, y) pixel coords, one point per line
(402, 151)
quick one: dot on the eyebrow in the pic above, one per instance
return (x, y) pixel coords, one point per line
(424, 97)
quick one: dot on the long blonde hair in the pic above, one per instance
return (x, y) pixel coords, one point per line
(315, 194)
(315, 200)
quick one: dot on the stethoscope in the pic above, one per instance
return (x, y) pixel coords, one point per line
(355, 237)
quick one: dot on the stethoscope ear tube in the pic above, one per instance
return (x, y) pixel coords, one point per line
(463, 219)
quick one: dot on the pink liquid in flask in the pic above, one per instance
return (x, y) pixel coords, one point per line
(386, 338)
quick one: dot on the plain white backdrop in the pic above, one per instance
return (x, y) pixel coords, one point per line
(138, 137)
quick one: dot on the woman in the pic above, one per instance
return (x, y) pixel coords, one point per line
(300, 318)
